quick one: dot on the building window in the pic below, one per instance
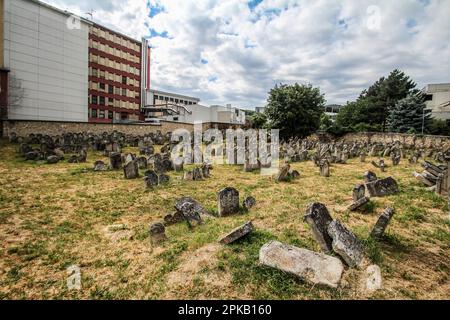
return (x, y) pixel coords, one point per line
(176, 100)
(190, 102)
(428, 97)
(111, 102)
(175, 118)
(95, 72)
(124, 80)
(94, 100)
(102, 101)
(171, 99)
(111, 89)
(166, 98)
(93, 113)
(110, 115)
(102, 86)
(124, 91)
(101, 114)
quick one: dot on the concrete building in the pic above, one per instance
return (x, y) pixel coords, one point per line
(260, 109)
(46, 52)
(115, 68)
(180, 108)
(437, 97)
(332, 110)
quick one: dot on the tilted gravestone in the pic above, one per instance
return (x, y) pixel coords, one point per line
(228, 201)
(346, 244)
(370, 176)
(382, 223)
(131, 170)
(318, 218)
(191, 210)
(237, 233)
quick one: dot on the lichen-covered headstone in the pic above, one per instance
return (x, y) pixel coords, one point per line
(228, 201)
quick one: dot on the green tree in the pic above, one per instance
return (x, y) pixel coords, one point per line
(295, 109)
(258, 120)
(439, 127)
(384, 94)
(409, 115)
(325, 122)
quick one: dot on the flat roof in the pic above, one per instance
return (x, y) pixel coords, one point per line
(67, 13)
(64, 12)
(172, 94)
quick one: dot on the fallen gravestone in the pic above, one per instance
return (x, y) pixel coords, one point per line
(191, 210)
(310, 266)
(358, 203)
(318, 218)
(382, 187)
(237, 233)
(382, 223)
(228, 201)
(346, 244)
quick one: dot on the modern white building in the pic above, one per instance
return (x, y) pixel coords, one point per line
(46, 52)
(168, 106)
(260, 109)
(437, 99)
(332, 110)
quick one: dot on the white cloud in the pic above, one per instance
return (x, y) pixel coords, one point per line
(326, 43)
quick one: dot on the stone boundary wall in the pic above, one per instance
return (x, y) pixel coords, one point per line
(411, 140)
(53, 128)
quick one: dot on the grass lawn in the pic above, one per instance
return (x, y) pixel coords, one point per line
(54, 216)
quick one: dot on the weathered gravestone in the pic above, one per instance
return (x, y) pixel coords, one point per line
(100, 166)
(370, 176)
(188, 175)
(249, 202)
(172, 218)
(115, 160)
(315, 268)
(382, 223)
(382, 187)
(191, 210)
(324, 168)
(283, 173)
(131, 170)
(157, 233)
(197, 174)
(318, 218)
(373, 278)
(359, 192)
(237, 233)
(52, 159)
(358, 203)
(163, 178)
(346, 244)
(151, 179)
(142, 162)
(228, 201)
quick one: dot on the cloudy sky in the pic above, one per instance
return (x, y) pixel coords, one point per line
(234, 51)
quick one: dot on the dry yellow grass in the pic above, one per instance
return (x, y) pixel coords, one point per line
(53, 216)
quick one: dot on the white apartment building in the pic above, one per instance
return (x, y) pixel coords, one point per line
(437, 97)
(46, 52)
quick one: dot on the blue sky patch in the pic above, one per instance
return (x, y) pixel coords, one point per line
(154, 9)
(154, 33)
(252, 4)
(204, 61)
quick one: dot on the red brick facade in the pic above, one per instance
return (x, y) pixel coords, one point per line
(114, 76)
